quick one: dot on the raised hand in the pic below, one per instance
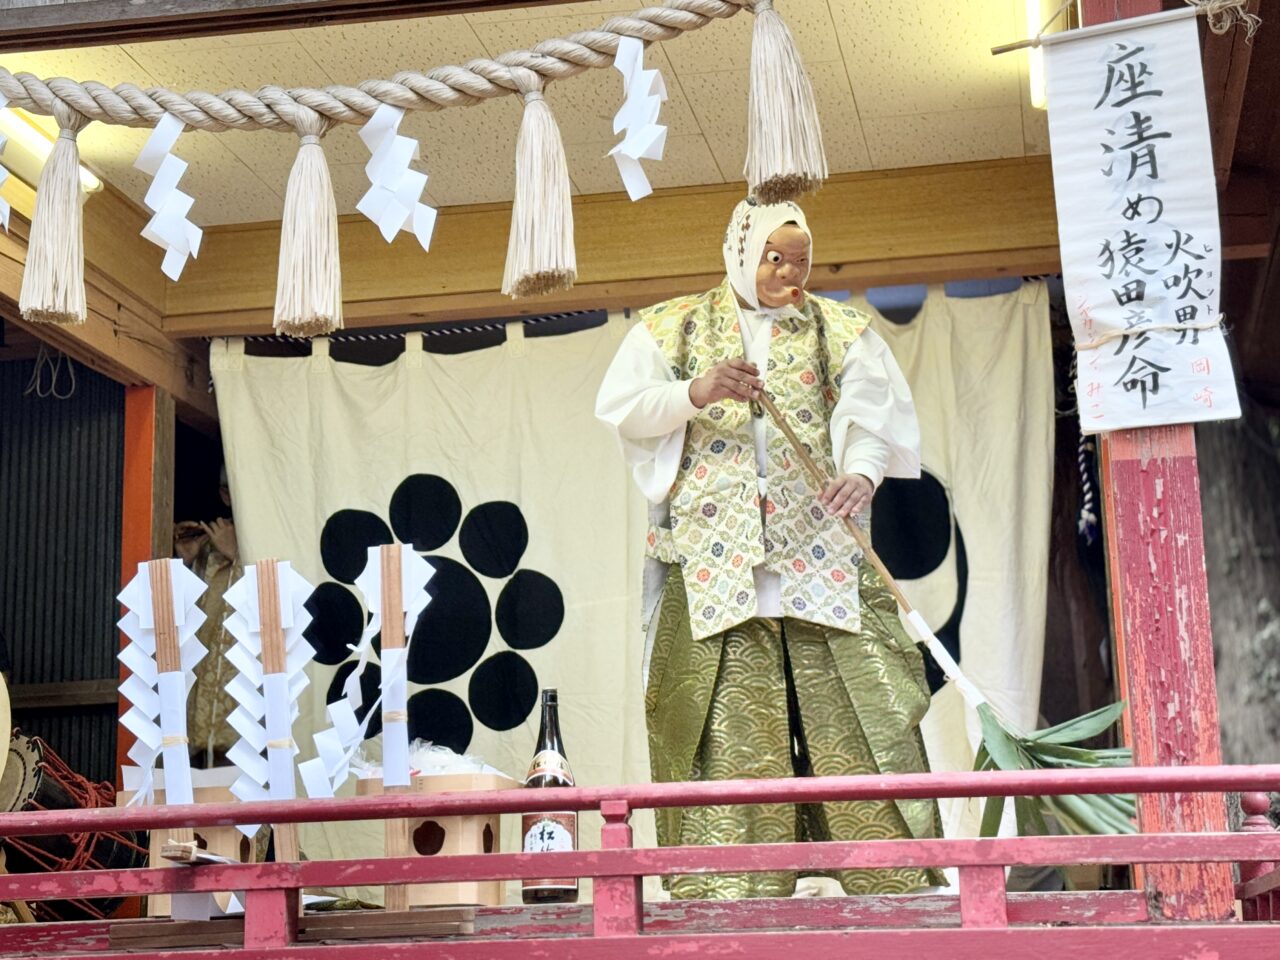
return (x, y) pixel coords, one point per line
(734, 379)
(222, 534)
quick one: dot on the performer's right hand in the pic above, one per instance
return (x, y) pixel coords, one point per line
(734, 379)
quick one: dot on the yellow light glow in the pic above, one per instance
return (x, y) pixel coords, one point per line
(1035, 55)
(25, 135)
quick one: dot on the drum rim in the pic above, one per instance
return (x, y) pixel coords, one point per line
(6, 719)
(30, 776)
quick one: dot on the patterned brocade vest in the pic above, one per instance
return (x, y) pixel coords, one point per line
(719, 532)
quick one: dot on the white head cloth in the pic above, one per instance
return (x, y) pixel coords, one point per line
(749, 229)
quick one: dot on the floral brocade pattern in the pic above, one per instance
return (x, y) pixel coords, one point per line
(720, 530)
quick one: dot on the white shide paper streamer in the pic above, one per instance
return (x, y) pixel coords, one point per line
(168, 227)
(393, 200)
(157, 715)
(414, 574)
(645, 138)
(337, 745)
(267, 703)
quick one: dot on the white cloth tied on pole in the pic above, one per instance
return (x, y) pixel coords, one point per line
(644, 137)
(169, 227)
(267, 703)
(393, 200)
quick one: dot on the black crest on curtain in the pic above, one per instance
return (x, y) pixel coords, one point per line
(453, 632)
(912, 527)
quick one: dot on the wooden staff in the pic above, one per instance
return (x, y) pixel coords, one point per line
(168, 653)
(397, 828)
(971, 694)
(168, 650)
(275, 660)
(821, 480)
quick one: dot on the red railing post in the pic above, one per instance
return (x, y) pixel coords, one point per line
(618, 902)
(1255, 807)
(270, 918)
(982, 897)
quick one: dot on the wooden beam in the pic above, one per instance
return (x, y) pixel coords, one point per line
(65, 695)
(80, 23)
(1258, 346)
(934, 222)
(1160, 621)
(917, 225)
(1226, 72)
(123, 337)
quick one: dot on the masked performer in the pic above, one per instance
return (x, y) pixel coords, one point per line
(771, 650)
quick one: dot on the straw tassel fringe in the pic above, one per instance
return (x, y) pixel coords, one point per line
(309, 282)
(540, 254)
(53, 281)
(784, 138)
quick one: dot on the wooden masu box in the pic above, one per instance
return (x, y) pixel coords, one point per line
(448, 836)
(208, 786)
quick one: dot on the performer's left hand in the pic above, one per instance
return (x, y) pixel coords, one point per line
(847, 496)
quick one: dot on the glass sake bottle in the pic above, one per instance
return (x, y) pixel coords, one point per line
(543, 832)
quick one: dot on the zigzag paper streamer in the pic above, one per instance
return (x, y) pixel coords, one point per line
(158, 684)
(393, 200)
(169, 227)
(415, 572)
(645, 138)
(161, 655)
(336, 745)
(270, 675)
(4, 174)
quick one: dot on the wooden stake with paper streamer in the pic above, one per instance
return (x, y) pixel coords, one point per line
(393, 583)
(394, 718)
(161, 622)
(1003, 747)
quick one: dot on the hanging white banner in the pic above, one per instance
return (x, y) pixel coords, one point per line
(1138, 223)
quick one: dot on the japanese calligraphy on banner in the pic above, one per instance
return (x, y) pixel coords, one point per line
(1138, 223)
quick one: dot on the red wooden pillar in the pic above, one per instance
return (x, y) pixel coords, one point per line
(147, 510)
(1160, 618)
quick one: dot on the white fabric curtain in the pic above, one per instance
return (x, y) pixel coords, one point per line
(981, 375)
(513, 425)
(318, 451)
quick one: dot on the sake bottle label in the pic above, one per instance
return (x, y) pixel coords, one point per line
(549, 763)
(548, 833)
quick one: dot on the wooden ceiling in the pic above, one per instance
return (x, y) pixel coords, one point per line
(1242, 81)
(899, 83)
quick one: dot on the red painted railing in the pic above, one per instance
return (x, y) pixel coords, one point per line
(982, 924)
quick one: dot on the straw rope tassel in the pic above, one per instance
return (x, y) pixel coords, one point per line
(540, 255)
(784, 138)
(309, 283)
(53, 281)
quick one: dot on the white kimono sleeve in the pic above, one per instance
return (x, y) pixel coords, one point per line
(648, 408)
(874, 422)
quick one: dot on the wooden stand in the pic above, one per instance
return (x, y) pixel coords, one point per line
(225, 842)
(446, 836)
